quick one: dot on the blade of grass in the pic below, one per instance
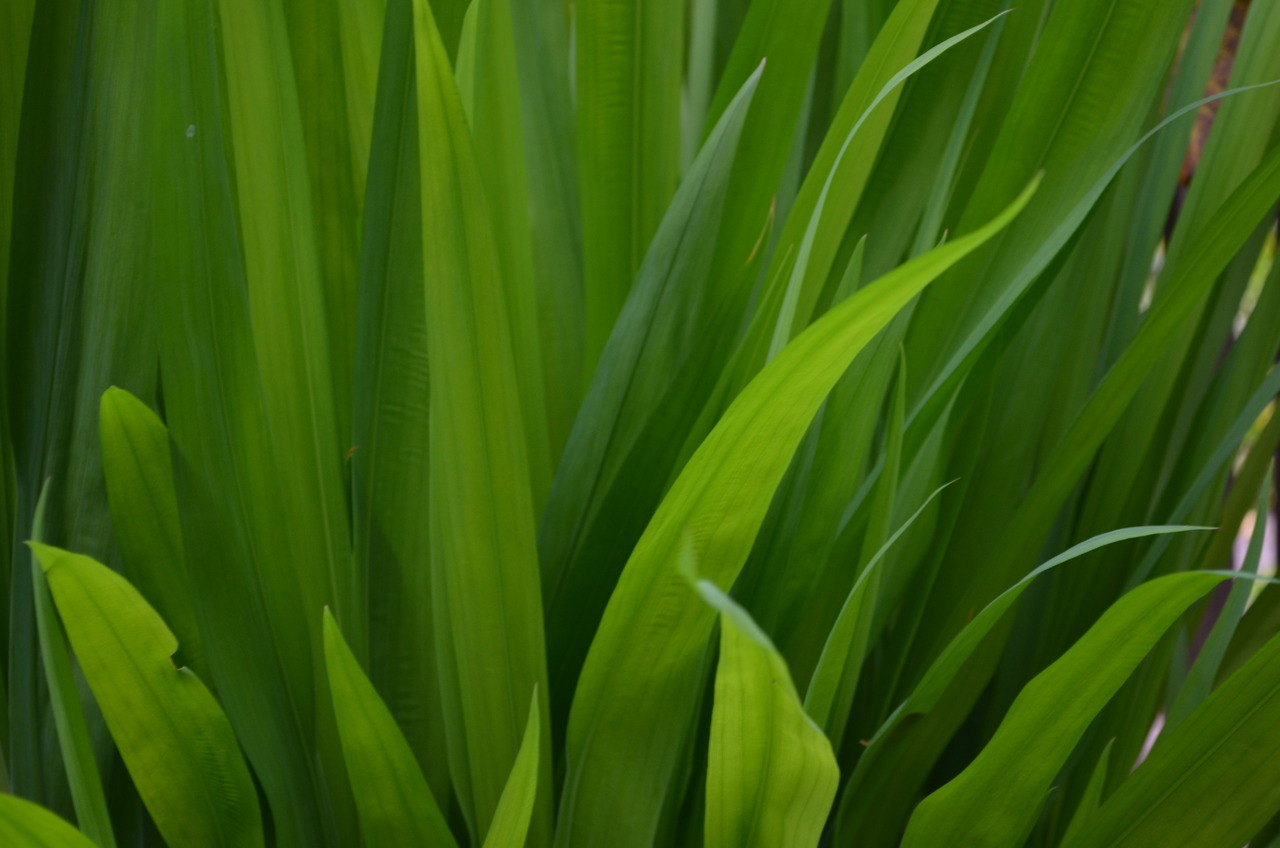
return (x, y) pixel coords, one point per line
(288, 303)
(543, 55)
(829, 695)
(391, 463)
(491, 98)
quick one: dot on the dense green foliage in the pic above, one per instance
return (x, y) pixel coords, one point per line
(630, 423)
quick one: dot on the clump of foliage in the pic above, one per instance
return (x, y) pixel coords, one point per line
(726, 423)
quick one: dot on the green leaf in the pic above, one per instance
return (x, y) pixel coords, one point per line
(393, 801)
(27, 825)
(771, 773)
(144, 510)
(485, 579)
(636, 696)
(641, 402)
(898, 736)
(390, 465)
(995, 801)
(64, 700)
(1092, 798)
(510, 824)
(543, 55)
(835, 679)
(903, 33)
(630, 59)
(1211, 782)
(288, 302)
(1062, 467)
(785, 34)
(80, 308)
(1199, 680)
(243, 570)
(174, 738)
(491, 97)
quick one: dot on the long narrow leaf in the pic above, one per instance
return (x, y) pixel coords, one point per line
(619, 753)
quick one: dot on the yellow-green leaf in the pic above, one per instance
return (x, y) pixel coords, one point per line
(174, 738)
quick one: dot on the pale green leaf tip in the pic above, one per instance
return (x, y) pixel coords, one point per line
(687, 559)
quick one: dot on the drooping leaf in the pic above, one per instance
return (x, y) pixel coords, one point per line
(831, 688)
(1210, 782)
(897, 736)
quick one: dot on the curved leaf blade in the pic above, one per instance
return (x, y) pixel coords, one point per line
(620, 754)
(995, 801)
(175, 740)
(1211, 782)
